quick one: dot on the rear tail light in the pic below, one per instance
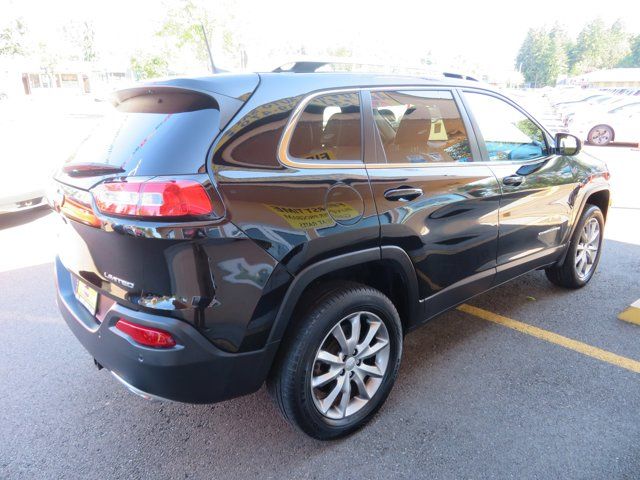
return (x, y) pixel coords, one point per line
(153, 198)
(79, 209)
(147, 336)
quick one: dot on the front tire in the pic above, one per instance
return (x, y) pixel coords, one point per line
(584, 251)
(340, 362)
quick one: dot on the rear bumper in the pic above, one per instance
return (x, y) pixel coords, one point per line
(194, 371)
(25, 201)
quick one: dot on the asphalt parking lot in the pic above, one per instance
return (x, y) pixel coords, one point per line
(474, 399)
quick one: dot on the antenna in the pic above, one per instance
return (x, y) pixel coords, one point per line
(206, 42)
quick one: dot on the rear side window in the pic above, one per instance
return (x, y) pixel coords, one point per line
(329, 128)
(420, 127)
(154, 134)
(508, 133)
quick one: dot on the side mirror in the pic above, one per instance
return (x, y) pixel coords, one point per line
(567, 144)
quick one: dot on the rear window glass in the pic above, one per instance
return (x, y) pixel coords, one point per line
(329, 129)
(157, 134)
(420, 127)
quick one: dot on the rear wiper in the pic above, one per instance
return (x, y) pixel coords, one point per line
(90, 169)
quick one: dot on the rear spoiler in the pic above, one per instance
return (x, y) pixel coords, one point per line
(225, 92)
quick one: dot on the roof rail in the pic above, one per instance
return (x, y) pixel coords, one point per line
(348, 65)
(460, 76)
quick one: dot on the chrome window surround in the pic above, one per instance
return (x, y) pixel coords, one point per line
(512, 104)
(283, 146)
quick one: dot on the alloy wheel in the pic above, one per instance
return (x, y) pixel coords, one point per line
(601, 136)
(350, 365)
(587, 248)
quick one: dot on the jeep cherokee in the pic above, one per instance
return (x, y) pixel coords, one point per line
(290, 228)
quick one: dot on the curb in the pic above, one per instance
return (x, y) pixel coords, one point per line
(631, 314)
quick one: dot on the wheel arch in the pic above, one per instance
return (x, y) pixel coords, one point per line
(388, 269)
(598, 197)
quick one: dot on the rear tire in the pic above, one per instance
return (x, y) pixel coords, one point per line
(600, 135)
(320, 357)
(584, 251)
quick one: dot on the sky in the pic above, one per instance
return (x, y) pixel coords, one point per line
(475, 34)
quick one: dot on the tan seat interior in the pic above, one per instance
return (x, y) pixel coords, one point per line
(339, 140)
(411, 141)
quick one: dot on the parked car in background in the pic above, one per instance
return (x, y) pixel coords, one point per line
(594, 102)
(563, 109)
(620, 124)
(584, 97)
(16, 196)
(595, 108)
(291, 227)
(567, 93)
(23, 174)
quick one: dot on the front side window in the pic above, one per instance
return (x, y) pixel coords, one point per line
(420, 127)
(329, 129)
(508, 133)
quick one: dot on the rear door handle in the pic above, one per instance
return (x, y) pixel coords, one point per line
(402, 194)
(513, 180)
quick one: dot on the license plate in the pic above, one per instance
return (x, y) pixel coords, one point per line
(86, 295)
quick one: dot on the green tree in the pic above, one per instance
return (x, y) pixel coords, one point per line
(633, 58)
(599, 46)
(149, 66)
(542, 56)
(191, 20)
(49, 58)
(12, 38)
(557, 52)
(81, 37)
(427, 59)
(341, 52)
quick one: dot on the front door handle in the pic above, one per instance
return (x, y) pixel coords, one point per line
(402, 194)
(513, 180)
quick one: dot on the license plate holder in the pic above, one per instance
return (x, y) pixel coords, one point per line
(86, 295)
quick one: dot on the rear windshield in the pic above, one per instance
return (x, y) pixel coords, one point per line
(154, 134)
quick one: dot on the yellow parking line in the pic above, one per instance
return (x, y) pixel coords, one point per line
(631, 314)
(583, 348)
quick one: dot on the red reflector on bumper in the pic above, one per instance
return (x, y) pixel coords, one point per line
(147, 336)
(80, 212)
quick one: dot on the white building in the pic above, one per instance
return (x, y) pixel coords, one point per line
(25, 76)
(610, 78)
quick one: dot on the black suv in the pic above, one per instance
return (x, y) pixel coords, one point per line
(291, 228)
